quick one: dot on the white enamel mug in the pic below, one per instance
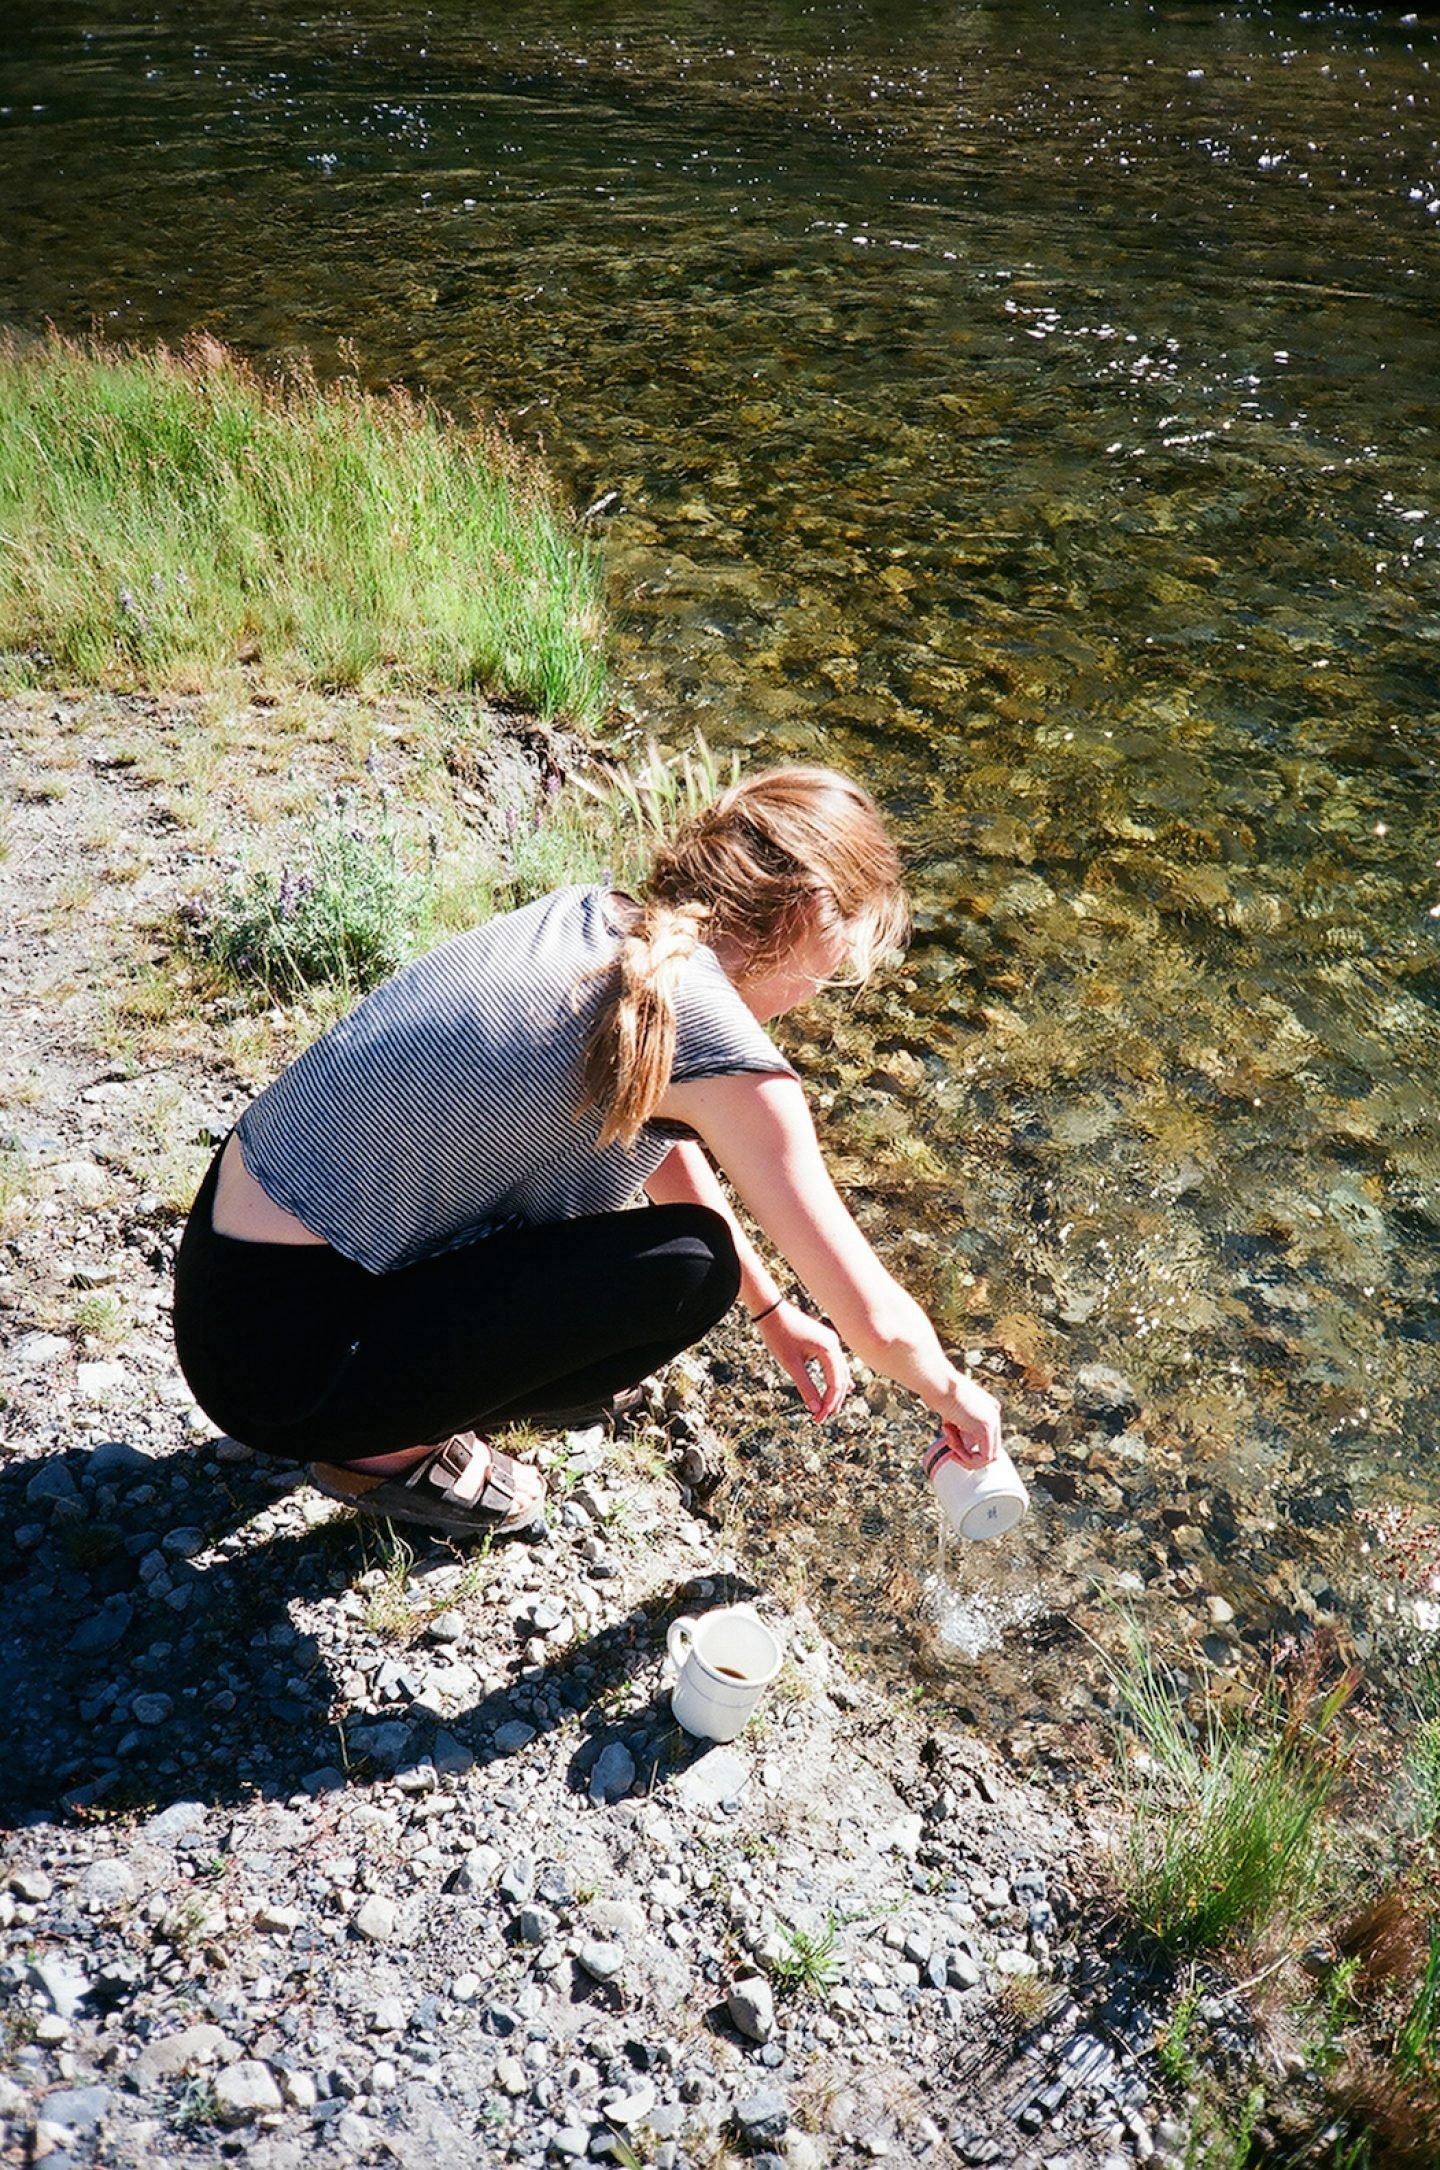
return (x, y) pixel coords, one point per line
(724, 1661)
(983, 1502)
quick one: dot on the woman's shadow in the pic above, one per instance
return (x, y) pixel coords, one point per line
(148, 1654)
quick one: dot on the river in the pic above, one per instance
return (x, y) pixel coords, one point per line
(1034, 408)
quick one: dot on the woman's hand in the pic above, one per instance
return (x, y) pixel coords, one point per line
(970, 1421)
(796, 1341)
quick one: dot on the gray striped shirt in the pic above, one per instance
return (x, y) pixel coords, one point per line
(450, 1103)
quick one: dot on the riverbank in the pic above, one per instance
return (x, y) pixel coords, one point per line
(322, 1847)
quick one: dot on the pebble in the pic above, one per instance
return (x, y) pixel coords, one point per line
(601, 1961)
(630, 2108)
(171, 2055)
(763, 2117)
(104, 1629)
(375, 1919)
(751, 2005)
(614, 1773)
(62, 1984)
(77, 2109)
(514, 1735)
(489, 1908)
(34, 1352)
(722, 1774)
(100, 1380)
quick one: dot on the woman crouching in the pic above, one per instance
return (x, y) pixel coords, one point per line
(421, 1232)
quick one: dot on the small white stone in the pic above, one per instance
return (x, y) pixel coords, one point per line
(375, 1919)
(98, 1381)
(1015, 1962)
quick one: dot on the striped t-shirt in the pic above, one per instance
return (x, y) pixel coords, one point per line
(450, 1104)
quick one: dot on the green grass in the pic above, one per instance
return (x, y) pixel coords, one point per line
(1417, 2039)
(1421, 1764)
(810, 1962)
(1225, 1836)
(166, 517)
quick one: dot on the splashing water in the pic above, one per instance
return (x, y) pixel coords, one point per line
(972, 1621)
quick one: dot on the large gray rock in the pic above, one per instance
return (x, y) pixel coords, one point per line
(80, 2109)
(375, 1919)
(751, 2006)
(719, 1775)
(601, 1961)
(764, 2117)
(51, 1482)
(173, 2055)
(116, 1460)
(614, 1773)
(104, 1629)
(245, 2091)
(175, 1822)
(61, 1983)
(105, 1887)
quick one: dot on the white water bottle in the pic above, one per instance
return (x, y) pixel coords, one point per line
(983, 1501)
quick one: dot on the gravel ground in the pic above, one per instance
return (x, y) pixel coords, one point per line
(325, 1846)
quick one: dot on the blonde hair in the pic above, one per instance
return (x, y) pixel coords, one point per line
(775, 857)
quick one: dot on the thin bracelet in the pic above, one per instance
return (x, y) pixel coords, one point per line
(757, 1316)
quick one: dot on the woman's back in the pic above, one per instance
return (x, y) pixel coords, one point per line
(452, 1101)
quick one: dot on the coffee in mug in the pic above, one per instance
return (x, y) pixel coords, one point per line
(724, 1661)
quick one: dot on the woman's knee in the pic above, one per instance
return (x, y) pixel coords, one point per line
(696, 1243)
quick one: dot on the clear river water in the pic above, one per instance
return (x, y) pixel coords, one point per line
(1033, 407)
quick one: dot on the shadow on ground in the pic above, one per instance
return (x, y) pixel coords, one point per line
(148, 1653)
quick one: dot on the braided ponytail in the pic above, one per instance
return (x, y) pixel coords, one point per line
(632, 1048)
(770, 859)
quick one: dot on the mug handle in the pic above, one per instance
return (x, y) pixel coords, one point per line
(679, 1640)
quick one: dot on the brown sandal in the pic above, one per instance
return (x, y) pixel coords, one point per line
(450, 1491)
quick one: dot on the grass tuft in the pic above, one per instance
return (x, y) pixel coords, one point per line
(809, 1964)
(1225, 1830)
(167, 516)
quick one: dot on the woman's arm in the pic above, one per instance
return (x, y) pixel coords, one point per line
(759, 1129)
(794, 1339)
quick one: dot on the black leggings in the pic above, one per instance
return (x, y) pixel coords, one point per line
(297, 1352)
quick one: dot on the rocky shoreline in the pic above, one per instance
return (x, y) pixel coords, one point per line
(320, 1846)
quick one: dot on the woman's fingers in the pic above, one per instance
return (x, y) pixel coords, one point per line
(974, 1428)
(835, 1378)
(804, 1346)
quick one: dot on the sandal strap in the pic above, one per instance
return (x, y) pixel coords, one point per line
(462, 1479)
